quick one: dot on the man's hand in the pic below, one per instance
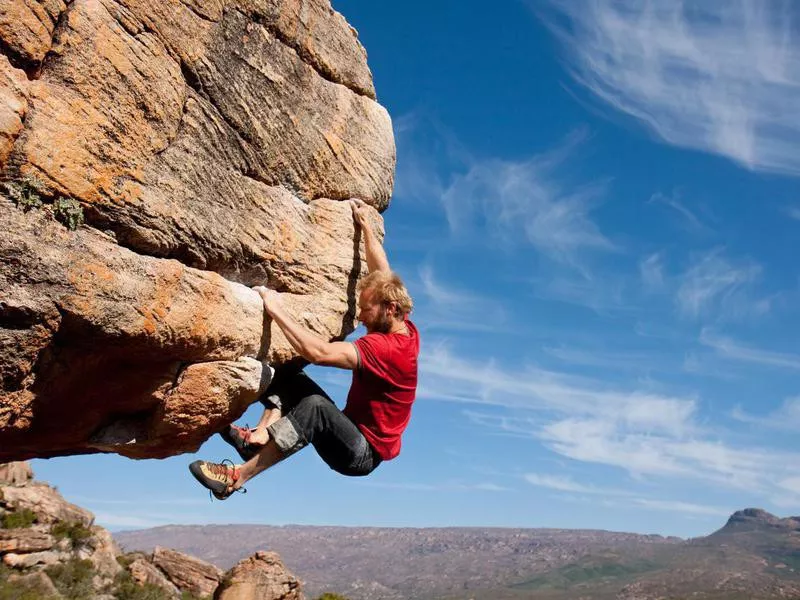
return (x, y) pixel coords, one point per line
(271, 298)
(360, 212)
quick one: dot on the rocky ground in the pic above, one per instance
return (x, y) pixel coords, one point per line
(52, 550)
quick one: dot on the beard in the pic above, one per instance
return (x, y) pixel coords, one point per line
(381, 324)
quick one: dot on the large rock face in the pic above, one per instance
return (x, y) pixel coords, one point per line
(210, 146)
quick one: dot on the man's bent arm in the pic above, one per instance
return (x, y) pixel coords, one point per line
(320, 352)
(376, 255)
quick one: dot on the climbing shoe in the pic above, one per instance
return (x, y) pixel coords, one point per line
(239, 438)
(218, 478)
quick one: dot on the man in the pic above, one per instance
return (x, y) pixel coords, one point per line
(298, 412)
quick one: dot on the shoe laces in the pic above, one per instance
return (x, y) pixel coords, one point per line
(228, 470)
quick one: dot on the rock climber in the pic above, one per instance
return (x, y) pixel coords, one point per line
(352, 441)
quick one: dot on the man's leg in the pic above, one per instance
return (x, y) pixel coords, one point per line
(260, 436)
(285, 391)
(315, 420)
(269, 455)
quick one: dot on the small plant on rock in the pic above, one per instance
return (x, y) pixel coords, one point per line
(26, 193)
(76, 532)
(19, 519)
(125, 588)
(73, 578)
(30, 193)
(68, 212)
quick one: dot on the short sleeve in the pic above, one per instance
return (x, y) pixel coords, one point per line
(373, 354)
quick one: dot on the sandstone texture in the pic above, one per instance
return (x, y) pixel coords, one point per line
(208, 147)
(187, 572)
(260, 576)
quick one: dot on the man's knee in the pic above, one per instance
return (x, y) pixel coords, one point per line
(316, 403)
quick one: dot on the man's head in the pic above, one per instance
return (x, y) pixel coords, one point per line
(383, 300)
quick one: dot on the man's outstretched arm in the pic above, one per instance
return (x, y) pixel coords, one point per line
(314, 349)
(376, 255)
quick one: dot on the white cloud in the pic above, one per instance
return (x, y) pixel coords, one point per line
(791, 484)
(129, 520)
(683, 507)
(651, 270)
(714, 283)
(439, 487)
(527, 200)
(623, 497)
(447, 377)
(794, 213)
(643, 433)
(567, 484)
(603, 294)
(735, 351)
(722, 77)
(607, 359)
(674, 202)
(786, 417)
(456, 309)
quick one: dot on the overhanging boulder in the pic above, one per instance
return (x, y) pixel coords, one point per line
(208, 147)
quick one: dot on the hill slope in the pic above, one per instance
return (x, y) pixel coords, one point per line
(753, 556)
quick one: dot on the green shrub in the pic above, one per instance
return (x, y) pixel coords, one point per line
(125, 588)
(125, 560)
(26, 193)
(68, 212)
(331, 596)
(76, 532)
(18, 519)
(73, 579)
(18, 591)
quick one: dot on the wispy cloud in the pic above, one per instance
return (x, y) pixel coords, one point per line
(683, 507)
(604, 358)
(457, 309)
(643, 433)
(567, 484)
(439, 487)
(794, 213)
(603, 294)
(736, 351)
(786, 417)
(533, 201)
(130, 520)
(722, 77)
(451, 378)
(673, 202)
(714, 283)
(528, 200)
(651, 270)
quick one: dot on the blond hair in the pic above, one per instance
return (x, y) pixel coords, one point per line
(388, 287)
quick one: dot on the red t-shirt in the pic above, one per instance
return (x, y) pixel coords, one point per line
(383, 388)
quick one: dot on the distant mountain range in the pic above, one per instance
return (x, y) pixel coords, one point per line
(754, 556)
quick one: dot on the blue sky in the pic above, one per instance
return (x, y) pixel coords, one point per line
(597, 213)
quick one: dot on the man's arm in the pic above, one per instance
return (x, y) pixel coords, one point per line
(320, 352)
(376, 255)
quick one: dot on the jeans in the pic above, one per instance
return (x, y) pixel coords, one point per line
(309, 416)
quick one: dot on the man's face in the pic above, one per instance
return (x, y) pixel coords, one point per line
(372, 314)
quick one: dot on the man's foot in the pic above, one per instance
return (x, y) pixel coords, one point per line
(218, 478)
(239, 438)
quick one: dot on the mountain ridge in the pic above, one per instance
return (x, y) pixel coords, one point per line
(371, 563)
